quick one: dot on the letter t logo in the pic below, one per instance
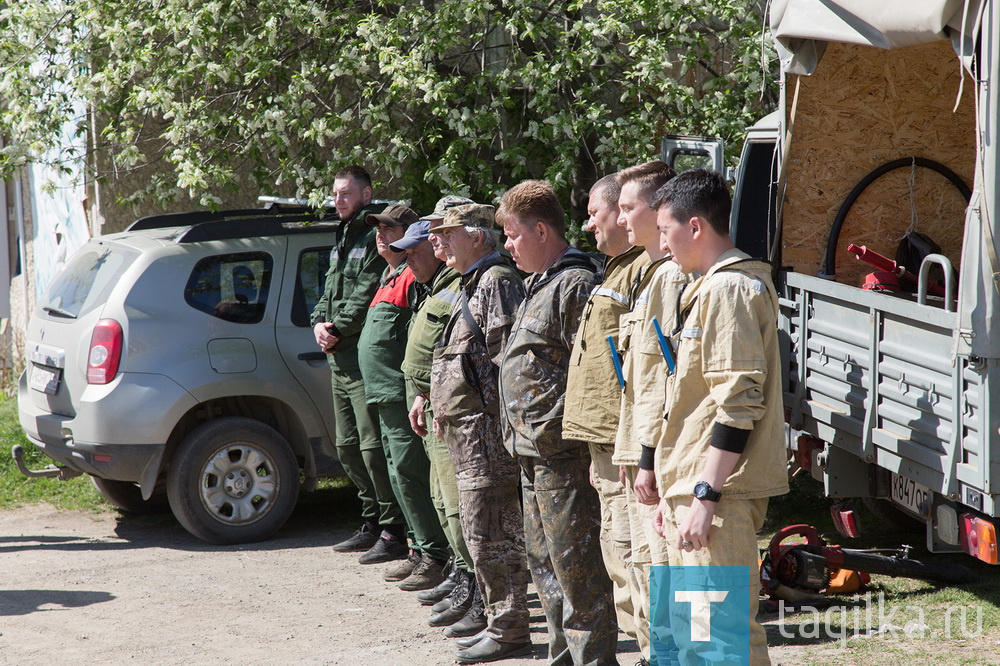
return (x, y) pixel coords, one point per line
(701, 613)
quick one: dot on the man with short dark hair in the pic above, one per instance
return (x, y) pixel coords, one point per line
(561, 508)
(724, 454)
(593, 392)
(337, 319)
(645, 373)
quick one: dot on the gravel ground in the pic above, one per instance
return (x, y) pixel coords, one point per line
(87, 588)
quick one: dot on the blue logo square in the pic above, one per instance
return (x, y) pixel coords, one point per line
(703, 615)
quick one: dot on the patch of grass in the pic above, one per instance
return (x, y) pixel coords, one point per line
(926, 626)
(17, 489)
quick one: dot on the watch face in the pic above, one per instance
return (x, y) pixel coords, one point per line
(704, 491)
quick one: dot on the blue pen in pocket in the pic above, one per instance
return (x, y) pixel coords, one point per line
(668, 355)
(617, 361)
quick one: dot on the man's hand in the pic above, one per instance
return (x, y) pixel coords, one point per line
(695, 525)
(645, 487)
(621, 474)
(658, 514)
(418, 418)
(324, 338)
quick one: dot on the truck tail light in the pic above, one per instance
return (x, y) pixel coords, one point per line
(805, 451)
(979, 538)
(105, 352)
(845, 521)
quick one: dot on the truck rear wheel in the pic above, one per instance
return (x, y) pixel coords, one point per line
(897, 520)
(233, 480)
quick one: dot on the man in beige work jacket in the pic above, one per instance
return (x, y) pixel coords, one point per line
(593, 391)
(723, 452)
(644, 370)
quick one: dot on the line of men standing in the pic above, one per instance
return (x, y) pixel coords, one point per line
(477, 412)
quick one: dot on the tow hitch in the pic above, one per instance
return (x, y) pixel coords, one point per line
(62, 473)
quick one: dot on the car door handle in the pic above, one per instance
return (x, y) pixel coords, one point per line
(312, 356)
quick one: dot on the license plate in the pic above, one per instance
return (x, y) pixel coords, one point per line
(45, 378)
(911, 495)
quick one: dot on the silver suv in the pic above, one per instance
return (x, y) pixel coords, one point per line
(176, 359)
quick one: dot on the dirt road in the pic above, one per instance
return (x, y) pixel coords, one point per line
(86, 588)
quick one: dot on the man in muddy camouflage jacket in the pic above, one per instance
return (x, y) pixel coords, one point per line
(465, 396)
(561, 508)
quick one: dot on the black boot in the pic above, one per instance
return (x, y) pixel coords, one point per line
(445, 603)
(474, 620)
(489, 649)
(469, 641)
(363, 539)
(442, 589)
(461, 601)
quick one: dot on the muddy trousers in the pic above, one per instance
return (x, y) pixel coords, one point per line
(409, 475)
(493, 526)
(562, 539)
(444, 493)
(359, 447)
(616, 541)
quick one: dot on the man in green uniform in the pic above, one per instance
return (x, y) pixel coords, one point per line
(438, 291)
(380, 354)
(337, 319)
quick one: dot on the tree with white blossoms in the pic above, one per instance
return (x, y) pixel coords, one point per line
(191, 97)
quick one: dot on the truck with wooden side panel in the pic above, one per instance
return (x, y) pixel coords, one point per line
(886, 134)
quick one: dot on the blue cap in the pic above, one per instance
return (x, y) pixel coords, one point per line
(415, 234)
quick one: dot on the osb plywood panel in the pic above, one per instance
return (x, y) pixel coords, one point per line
(864, 107)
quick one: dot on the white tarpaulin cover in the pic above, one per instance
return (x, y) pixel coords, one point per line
(802, 28)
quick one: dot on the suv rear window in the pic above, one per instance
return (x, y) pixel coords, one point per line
(309, 283)
(87, 280)
(232, 287)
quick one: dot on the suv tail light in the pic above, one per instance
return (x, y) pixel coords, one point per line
(105, 352)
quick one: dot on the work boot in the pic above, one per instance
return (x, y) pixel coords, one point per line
(461, 600)
(403, 569)
(363, 539)
(489, 649)
(474, 619)
(427, 574)
(386, 548)
(445, 603)
(469, 641)
(442, 589)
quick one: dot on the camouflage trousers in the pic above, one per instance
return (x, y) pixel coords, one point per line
(494, 533)
(562, 538)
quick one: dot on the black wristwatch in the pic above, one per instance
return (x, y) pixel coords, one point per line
(704, 491)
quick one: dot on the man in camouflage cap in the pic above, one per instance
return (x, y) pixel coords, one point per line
(465, 394)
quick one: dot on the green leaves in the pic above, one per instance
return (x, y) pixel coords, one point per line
(440, 96)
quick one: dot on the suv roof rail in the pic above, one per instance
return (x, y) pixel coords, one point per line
(289, 203)
(251, 227)
(193, 218)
